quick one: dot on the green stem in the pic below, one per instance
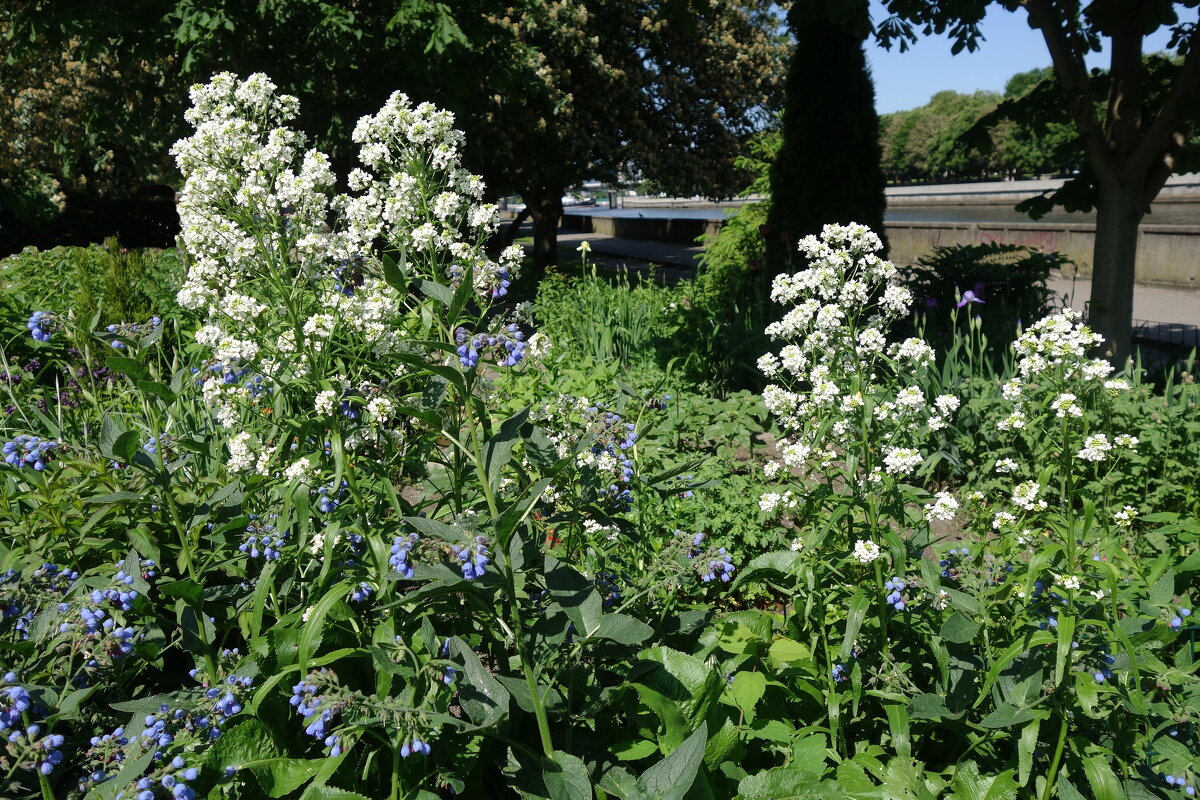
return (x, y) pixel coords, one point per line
(395, 795)
(1052, 774)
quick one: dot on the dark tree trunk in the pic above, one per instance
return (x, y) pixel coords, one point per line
(545, 206)
(510, 233)
(1110, 311)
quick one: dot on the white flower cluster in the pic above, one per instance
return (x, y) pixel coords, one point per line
(943, 507)
(414, 193)
(834, 364)
(288, 272)
(1060, 341)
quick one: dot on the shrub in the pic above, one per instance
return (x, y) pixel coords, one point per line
(1003, 284)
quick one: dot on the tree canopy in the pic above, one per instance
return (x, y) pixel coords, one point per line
(549, 92)
(1136, 122)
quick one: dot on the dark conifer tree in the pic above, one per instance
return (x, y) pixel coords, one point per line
(828, 169)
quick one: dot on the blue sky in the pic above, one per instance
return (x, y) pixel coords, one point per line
(908, 80)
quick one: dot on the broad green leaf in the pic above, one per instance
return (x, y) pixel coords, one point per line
(131, 367)
(769, 566)
(671, 778)
(958, 629)
(1006, 716)
(497, 452)
(621, 628)
(619, 783)
(784, 650)
(968, 784)
(435, 291)
(158, 390)
(633, 749)
(928, 706)
(678, 687)
(789, 783)
(747, 689)
(566, 777)
(320, 791)
(1104, 783)
(479, 693)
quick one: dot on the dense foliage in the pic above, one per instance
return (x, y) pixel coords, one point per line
(364, 533)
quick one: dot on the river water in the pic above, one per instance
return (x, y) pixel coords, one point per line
(1161, 214)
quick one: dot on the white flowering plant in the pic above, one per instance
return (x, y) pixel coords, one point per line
(346, 564)
(1005, 626)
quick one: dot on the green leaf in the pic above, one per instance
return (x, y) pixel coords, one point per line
(784, 650)
(431, 527)
(633, 749)
(131, 367)
(769, 566)
(565, 777)
(1066, 635)
(678, 687)
(482, 697)
(1163, 589)
(311, 634)
(618, 782)
(1006, 716)
(189, 590)
(282, 776)
(671, 778)
(115, 497)
(854, 620)
(621, 628)
(498, 450)
(748, 688)
(789, 783)
(243, 744)
(1025, 749)
(434, 291)
(897, 714)
(968, 784)
(1104, 783)
(929, 706)
(958, 629)
(575, 593)
(320, 791)
(540, 451)
(156, 389)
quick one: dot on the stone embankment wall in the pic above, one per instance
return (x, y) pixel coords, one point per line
(1168, 254)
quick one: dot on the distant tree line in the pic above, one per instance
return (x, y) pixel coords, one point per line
(966, 136)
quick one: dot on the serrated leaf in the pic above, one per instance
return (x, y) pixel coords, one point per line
(565, 777)
(747, 689)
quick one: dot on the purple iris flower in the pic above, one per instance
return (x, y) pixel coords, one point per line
(968, 297)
